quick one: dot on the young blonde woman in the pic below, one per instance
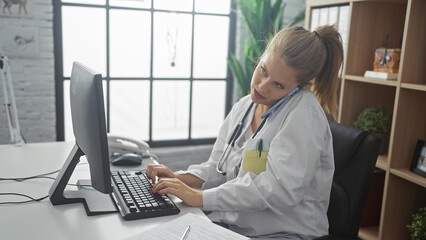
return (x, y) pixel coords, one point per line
(270, 172)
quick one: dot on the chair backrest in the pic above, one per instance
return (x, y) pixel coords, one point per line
(355, 156)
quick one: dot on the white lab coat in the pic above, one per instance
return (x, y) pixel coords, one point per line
(292, 195)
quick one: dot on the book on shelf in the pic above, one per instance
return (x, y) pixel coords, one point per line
(381, 75)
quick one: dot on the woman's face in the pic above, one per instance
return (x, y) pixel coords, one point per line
(272, 80)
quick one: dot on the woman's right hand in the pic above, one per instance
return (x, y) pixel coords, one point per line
(159, 170)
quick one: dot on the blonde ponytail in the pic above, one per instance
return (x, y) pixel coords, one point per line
(326, 84)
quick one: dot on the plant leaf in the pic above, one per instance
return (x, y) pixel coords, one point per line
(237, 72)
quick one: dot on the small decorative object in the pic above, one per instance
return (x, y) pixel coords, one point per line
(417, 228)
(378, 121)
(19, 41)
(387, 59)
(418, 164)
(172, 36)
(12, 8)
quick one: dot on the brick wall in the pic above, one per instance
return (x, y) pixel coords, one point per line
(33, 77)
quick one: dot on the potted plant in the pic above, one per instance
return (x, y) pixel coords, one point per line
(378, 121)
(417, 228)
(262, 19)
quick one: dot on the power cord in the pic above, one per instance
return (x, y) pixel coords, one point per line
(23, 195)
(44, 175)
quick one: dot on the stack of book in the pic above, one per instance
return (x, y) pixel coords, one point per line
(381, 75)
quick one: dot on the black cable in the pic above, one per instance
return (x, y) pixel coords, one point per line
(23, 195)
(23, 138)
(36, 199)
(33, 177)
(43, 175)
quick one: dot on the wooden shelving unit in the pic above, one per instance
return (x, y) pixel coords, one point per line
(368, 23)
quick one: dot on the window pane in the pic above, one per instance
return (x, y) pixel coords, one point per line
(98, 2)
(210, 46)
(130, 45)
(175, 5)
(84, 38)
(170, 109)
(208, 108)
(129, 108)
(213, 6)
(172, 44)
(68, 130)
(131, 3)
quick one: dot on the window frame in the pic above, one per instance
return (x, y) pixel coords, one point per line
(59, 74)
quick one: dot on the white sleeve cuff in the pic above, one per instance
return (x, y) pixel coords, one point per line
(182, 172)
(196, 172)
(210, 199)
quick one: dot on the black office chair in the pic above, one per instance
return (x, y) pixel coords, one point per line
(355, 156)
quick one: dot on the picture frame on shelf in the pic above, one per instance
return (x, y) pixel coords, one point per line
(418, 164)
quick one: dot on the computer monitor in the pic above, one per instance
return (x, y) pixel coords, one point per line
(88, 121)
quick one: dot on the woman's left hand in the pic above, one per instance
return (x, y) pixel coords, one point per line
(190, 196)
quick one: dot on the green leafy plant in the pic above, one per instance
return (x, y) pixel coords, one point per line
(374, 120)
(417, 228)
(262, 19)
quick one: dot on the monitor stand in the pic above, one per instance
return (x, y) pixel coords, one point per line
(94, 201)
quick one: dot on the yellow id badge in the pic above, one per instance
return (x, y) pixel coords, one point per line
(255, 159)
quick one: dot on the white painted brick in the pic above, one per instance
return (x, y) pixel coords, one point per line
(33, 79)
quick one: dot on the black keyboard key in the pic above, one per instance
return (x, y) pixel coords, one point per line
(133, 194)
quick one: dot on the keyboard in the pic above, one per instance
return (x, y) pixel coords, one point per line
(134, 199)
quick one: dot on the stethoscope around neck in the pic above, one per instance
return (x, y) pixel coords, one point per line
(238, 129)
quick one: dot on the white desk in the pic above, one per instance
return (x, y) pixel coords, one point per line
(42, 220)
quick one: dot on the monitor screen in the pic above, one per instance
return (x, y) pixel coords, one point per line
(88, 120)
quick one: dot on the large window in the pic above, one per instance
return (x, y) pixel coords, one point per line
(163, 62)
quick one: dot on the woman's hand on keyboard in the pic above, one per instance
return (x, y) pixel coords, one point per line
(159, 170)
(190, 196)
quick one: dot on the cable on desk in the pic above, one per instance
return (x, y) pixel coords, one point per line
(34, 177)
(37, 199)
(23, 195)
(44, 175)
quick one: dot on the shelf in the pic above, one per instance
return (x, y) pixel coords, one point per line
(401, 24)
(370, 23)
(320, 3)
(359, 95)
(369, 233)
(409, 126)
(409, 176)
(419, 87)
(413, 44)
(385, 82)
(382, 162)
(403, 198)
